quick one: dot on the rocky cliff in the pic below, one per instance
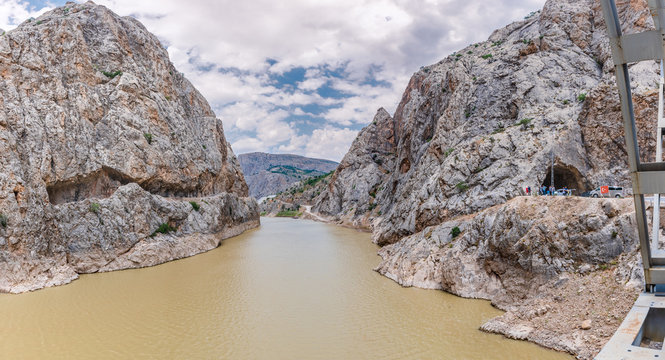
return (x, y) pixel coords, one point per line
(550, 262)
(473, 130)
(269, 174)
(110, 158)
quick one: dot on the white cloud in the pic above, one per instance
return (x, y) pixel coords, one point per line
(13, 12)
(330, 143)
(223, 47)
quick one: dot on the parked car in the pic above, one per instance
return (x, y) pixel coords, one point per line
(562, 192)
(613, 191)
(586, 194)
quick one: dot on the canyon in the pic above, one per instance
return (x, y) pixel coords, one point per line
(440, 183)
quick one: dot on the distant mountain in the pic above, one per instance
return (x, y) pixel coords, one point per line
(267, 174)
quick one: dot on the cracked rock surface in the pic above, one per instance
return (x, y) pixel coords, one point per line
(102, 141)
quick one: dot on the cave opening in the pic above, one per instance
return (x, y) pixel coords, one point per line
(566, 176)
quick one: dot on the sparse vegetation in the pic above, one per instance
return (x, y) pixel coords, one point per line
(112, 74)
(195, 205)
(497, 43)
(288, 213)
(467, 114)
(486, 56)
(263, 213)
(164, 228)
(372, 206)
(448, 152)
(148, 137)
(500, 129)
(95, 207)
(614, 234)
(462, 186)
(524, 122)
(566, 102)
(469, 52)
(455, 232)
(3, 220)
(581, 97)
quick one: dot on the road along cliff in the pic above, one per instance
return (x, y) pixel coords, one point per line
(109, 157)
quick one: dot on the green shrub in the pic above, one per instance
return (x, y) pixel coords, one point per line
(95, 207)
(614, 234)
(581, 97)
(469, 52)
(372, 206)
(288, 213)
(524, 122)
(500, 129)
(448, 152)
(467, 114)
(148, 137)
(3, 220)
(462, 186)
(455, 232)
(112, 74)
(195, 206)
(486, 56)
(263, 213)
(566, 102)
(164, 228)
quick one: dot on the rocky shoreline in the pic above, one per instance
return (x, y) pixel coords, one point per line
(566, 270)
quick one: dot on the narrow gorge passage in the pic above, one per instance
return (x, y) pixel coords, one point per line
(290, 289)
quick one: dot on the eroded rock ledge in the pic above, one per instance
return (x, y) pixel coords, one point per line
(550, 262)
(120, 232)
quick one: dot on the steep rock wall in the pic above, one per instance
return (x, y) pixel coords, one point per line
(102, 141)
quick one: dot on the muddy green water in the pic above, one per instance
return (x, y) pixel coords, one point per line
(292, 289)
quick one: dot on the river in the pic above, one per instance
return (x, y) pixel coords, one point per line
(292, 289)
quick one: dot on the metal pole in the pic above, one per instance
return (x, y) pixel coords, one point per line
(655, 232)
(630, 131)
(552, 172)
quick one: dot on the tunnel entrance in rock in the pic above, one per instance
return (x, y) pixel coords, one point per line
(566, 176)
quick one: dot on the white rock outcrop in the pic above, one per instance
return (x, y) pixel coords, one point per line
(102, 142)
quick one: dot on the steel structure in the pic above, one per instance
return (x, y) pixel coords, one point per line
(646, 320)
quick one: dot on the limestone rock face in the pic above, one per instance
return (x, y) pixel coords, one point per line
(102, 140)
(352, 189)
(547, 261)
(473, 130)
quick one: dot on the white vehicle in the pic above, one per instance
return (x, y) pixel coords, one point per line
(613, 191)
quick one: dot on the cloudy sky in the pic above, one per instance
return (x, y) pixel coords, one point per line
(302, 76)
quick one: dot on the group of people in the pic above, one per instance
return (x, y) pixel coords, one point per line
(543, 190)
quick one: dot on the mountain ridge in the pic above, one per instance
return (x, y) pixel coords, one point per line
(268, 174)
